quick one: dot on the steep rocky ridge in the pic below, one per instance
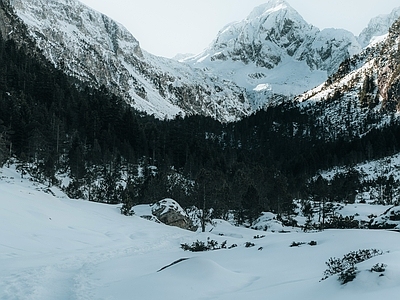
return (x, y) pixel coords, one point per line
(93, 48)
(13, 27)
(389, 69)
(275, 31)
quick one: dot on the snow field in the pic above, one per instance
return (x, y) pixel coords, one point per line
(52, 247)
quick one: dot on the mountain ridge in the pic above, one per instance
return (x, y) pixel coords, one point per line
(93, 48)
(273, 54)
(378, 26)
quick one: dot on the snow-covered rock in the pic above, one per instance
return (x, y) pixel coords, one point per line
(269, 222)
(166, 211)
(169, 212)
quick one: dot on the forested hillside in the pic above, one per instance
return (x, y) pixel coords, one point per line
(56, 127)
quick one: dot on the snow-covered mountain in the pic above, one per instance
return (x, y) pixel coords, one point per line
(275, 51)
(93, 48)
(378, 26)
(272, 54)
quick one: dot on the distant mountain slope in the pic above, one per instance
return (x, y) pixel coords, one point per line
(378, 26)
(93, 48)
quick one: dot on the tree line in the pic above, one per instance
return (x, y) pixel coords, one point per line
(56, 125)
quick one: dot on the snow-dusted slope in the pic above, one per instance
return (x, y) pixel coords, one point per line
(274, 51)
(97, 50)
(363, 94)
(52, 247)
(378, 26)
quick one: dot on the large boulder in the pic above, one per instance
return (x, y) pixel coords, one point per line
(169, 212)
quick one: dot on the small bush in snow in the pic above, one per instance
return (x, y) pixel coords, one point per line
(296, 244)
(347, 275)
(345, 266)
(223, 245)
(249, 244)
(378, 268)
(259, 236)
(212, 244)
(199, 246)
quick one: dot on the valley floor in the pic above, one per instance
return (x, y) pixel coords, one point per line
(52, 247)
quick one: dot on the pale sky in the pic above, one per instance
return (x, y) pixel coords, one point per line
(169, 27)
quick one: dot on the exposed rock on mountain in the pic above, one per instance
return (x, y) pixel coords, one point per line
(389, 68)
(275, 31)
(11, 26)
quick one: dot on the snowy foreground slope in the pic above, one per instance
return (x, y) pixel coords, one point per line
(52, 247)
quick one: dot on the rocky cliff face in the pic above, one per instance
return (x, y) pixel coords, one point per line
(97, 50)
(388, 68)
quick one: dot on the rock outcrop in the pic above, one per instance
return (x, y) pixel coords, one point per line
(169, 212)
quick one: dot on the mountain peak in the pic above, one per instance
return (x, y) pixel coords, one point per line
(268, 8)
(378, 26)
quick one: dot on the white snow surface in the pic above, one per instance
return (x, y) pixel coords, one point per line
(52, 247)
